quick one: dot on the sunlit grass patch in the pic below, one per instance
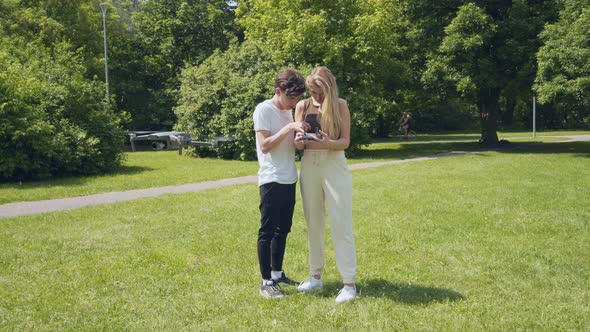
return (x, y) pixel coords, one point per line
(493, 241)
(166, 168)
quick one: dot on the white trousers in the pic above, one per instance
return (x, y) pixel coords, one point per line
(326, 181)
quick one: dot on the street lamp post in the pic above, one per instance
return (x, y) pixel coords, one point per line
(103, 8)
(534, 116)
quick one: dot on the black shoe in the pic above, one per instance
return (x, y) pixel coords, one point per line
(285, 280)
(271, 291)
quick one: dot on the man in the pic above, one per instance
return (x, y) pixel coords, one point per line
(404, 125)
(277, 177)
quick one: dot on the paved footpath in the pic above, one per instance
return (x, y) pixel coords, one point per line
(35, 207)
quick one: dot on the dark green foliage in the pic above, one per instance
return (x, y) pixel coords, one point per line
(218, 98)
(453, 64)
(53, 120)
(487, 58)
(563, 77)
(166, 36)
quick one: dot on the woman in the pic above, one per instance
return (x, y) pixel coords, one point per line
(326, 180)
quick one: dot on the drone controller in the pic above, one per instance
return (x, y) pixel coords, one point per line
(310, 135)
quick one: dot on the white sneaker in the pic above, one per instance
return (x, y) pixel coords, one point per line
(346, 294)
(311, 285)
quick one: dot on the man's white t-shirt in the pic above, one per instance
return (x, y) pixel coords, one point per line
(278, 165)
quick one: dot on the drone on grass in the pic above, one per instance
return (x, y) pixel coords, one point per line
(172, 140)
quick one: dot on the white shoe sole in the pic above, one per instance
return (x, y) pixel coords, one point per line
(310, 290)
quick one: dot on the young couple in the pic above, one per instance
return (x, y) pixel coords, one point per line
(325, 178)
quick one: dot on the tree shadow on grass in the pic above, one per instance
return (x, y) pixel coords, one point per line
(421, 149)
(408, 293)
(73, 180)
(579, 149)
(414, 149)
(127, 170)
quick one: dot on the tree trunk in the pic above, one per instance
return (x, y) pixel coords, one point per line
(488, 112)
(508, 115)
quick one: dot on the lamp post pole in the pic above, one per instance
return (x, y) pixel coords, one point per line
(103, 8)
(534, 116)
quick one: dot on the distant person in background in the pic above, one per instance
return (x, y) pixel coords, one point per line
(277, 177)
(326, 181)
(405, 124)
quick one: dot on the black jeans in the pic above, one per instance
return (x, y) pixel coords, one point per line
(277, 203)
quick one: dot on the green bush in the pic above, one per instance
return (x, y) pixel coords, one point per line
(53, 120)
(218, 97)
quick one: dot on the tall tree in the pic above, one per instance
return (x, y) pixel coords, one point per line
(172, 34)
(358, 40)
(379, 69)
(488, 49)
(563, 77)
(465, 60)
(426, 29)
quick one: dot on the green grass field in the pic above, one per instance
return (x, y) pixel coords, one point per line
(496, 241)
(166, 168)
(140, 170)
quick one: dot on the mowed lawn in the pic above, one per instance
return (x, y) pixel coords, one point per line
(497, 241)
(140, 170)
(166, 168)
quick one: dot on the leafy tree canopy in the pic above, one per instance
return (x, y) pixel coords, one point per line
(563, 77)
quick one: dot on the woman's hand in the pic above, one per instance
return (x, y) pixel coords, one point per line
(320, 136)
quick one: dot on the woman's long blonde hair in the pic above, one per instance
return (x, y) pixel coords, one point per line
(322, 77)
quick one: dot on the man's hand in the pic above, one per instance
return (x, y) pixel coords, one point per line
(300, 126)
(299, 141)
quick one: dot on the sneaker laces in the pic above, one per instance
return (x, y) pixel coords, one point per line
(274, 288)
(350, 290)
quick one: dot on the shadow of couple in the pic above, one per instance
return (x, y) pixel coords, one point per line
(404, 292)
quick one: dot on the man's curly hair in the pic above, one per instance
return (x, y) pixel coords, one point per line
(290, 82)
